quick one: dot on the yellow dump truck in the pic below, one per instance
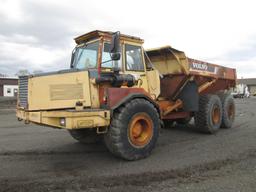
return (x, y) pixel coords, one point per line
(120, 92)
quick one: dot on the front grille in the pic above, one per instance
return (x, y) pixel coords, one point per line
(23, 91)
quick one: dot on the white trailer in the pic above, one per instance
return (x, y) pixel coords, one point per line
(241, 91)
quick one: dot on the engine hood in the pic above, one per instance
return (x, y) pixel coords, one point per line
(57, 90)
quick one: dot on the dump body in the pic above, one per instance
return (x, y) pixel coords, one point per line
(177, 69)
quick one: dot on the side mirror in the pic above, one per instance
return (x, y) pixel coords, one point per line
(115, 46)
(115, 56)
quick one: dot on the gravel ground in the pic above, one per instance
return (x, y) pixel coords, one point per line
(34, 158)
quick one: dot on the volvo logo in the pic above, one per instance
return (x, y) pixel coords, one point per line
(199, 66)
(203, 67)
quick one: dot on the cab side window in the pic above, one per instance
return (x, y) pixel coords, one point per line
(106, 58)
(133, 58)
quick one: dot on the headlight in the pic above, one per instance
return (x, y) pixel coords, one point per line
(62, 121)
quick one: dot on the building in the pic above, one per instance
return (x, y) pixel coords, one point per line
(8, 86)
(250, 82)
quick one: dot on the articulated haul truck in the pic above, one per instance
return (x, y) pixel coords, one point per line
(118, 92)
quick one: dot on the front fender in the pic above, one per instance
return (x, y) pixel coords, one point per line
(119, 96)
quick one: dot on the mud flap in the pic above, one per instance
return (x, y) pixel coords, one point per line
(190, 97)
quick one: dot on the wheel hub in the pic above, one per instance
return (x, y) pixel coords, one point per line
(140, 130)
(231, 111)
(216, 115)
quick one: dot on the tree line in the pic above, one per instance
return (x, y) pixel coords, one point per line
(22, 72)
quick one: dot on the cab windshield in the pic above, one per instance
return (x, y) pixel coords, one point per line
(85, 57)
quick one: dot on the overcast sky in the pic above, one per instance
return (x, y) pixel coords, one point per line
(38, 34)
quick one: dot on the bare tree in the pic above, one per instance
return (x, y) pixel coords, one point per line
(37, 71)
(22, 72)
(3, 75)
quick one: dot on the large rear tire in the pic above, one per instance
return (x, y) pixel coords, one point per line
(208, 118)
(228, 110)
(86, 136)
(134, 130)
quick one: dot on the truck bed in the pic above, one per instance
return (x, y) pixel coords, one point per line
(177, 69)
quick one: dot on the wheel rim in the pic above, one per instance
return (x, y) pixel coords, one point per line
(140, 130)
(231, 111)
(216, 114)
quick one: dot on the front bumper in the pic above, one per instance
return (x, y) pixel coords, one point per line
(89, 118)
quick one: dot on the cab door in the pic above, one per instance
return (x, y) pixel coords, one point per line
(134, 64)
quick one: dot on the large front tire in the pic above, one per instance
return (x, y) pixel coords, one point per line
(134, 130)
(208, 118)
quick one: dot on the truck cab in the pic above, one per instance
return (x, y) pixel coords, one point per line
(94, 52)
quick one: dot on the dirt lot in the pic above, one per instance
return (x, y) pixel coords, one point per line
(34, 158)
